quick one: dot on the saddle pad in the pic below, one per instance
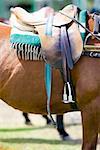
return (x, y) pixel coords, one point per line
(26, 44)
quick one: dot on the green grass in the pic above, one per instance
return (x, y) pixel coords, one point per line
(38, 138)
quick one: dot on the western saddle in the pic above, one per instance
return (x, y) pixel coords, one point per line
(36, 22)
(40, 17)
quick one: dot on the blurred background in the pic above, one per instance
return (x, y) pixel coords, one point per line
(32, 5)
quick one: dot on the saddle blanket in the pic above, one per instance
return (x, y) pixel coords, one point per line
(27, 44)
(28, 47)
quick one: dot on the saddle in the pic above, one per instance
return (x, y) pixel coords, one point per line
(35, 18)
(40, 16)
(36, 22)
(59, 36)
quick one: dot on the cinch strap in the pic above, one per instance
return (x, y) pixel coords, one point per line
(48, 69)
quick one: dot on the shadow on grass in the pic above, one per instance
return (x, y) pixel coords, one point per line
(40, 141)
(30, 128)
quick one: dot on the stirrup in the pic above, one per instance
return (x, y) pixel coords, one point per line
(67, 98)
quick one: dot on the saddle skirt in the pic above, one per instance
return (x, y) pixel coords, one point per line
(51, 45)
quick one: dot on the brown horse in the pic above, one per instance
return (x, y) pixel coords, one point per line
(22, 87)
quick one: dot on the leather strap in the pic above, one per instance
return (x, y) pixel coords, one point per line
(48, 83)
(48, 69)
(65, 47)
(67, 64)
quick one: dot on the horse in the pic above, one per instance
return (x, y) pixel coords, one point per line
(59, 118)
(22, 86)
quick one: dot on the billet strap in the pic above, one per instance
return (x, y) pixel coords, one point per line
(48, 69)
(48, 83)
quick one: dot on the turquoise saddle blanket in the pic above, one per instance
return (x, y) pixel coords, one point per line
(33, 40)
(28, 47)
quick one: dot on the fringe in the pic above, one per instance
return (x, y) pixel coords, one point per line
(27, 52)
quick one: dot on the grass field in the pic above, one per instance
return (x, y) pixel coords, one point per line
(35, 138)
(14, 135)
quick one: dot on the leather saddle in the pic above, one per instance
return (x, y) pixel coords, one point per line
(40, 16)
(59, 35)
(36, 22)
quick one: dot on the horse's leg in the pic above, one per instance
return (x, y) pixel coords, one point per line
(90, 129)
(26, 117)
(60, 127)
(48, 121)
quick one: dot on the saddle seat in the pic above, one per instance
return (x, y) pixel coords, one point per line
(41, 16)
(35, 18)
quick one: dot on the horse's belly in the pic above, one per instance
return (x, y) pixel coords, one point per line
(23, 87)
